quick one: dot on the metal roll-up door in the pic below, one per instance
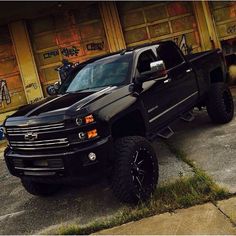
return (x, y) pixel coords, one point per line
(224, 15)
(12, 94)
(75, 35)
(144, 22)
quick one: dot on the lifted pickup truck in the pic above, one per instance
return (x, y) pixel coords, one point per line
(103, 117)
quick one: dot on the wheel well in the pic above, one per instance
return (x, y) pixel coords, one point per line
(216, 75)
(130, 124)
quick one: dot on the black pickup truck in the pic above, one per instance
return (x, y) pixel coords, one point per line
(103, 117)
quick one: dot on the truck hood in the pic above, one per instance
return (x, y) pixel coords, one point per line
(63, 103)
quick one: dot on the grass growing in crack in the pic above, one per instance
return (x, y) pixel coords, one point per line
(181, 155)
(185, 192)
(217, 192)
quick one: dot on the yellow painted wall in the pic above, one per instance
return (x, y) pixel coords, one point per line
(25, 60)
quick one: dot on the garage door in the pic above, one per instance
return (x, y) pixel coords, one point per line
(74, 35)
(144, 22)
(11, 88)
(224, 14)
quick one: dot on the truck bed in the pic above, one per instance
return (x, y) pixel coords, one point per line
(198, 55)
(202, 64)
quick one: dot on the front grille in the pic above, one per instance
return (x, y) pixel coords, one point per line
(38, 137)
(18, 163)
(42, 144)
(39, 129)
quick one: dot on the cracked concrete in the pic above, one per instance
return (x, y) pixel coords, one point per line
(202, 219)
(170, 168)
(211, 147)
(229, 208)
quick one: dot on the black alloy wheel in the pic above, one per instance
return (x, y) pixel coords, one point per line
(135, 173)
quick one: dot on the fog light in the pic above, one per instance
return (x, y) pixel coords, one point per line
(92, 156)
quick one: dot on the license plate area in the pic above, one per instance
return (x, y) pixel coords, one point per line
(39, 163)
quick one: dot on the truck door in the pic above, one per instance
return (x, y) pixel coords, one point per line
(156, 95)
(182, 83)
(168, 98)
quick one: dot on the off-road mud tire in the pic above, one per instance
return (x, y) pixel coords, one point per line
(129, 152)
(220, 105)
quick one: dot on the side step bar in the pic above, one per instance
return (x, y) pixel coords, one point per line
(188, 117)
(166, 133)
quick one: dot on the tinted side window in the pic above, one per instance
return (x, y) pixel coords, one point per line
(170, 55)
(144, 61)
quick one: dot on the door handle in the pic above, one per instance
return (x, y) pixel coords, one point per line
(189, 70)
(167, 80)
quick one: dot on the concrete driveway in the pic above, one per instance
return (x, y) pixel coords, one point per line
(211, 147)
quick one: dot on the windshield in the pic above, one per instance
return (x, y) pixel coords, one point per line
(110, 71)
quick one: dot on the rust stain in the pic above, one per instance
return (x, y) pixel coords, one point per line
(177, 8)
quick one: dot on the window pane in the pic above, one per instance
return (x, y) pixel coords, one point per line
(170, 55)
(144, 61)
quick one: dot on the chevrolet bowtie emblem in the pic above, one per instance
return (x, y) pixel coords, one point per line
(30, 136)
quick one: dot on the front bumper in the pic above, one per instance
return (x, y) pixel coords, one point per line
(64, 166)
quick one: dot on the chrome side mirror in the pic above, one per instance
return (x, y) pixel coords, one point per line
(159, 67)
(157, 71)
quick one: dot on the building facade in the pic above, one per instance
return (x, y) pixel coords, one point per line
(35, 37)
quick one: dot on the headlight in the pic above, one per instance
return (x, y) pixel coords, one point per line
(84, 120)
(88, 134)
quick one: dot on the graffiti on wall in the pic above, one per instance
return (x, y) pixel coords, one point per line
(31, 85)
(4, 92)
(35, 100)
(73, 51)
(231, 29)
(50, 54)
(67, 52)
(183, 45)
(95, 46)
